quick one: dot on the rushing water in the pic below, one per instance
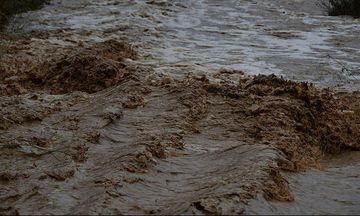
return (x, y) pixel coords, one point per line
(293, 39)
(289, 38)
(331, 191)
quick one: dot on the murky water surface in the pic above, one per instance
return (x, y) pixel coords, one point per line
(334, 190)
(293, 39)
(289, 38)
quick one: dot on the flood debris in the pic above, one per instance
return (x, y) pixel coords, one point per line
(80, 152)
(278, 189)
(110, 117)
(60, 175)
(93, 137)
(284, 34)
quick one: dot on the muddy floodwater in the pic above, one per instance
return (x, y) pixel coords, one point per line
(180, 107)
(293, 39)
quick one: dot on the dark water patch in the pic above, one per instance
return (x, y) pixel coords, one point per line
(342, 7)
(11, 7)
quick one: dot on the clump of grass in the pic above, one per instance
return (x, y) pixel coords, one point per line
(341, 7)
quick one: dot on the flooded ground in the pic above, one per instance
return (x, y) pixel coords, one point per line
(133, 107)
(293, 39)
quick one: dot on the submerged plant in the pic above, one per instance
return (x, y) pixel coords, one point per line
(341, 7)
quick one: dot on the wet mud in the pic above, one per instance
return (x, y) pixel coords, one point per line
(89, 125)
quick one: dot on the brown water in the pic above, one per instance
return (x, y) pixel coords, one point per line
(334, 190)
(159, 141)
(293, 39)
